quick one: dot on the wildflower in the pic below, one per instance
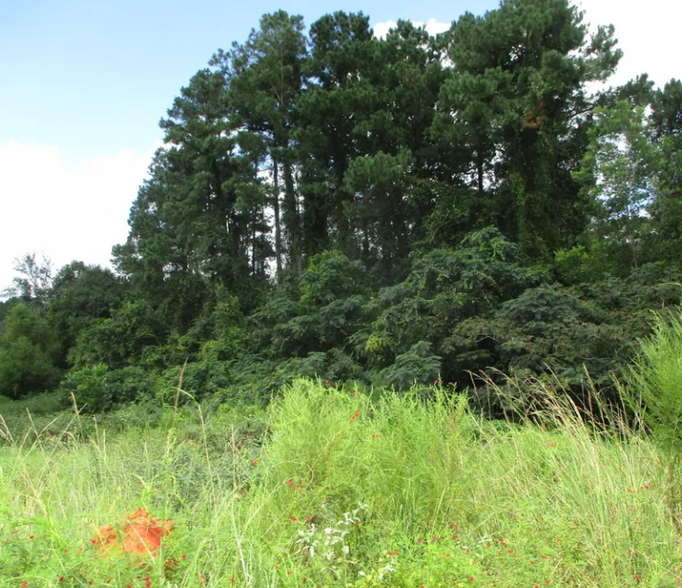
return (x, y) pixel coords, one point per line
(24, 584)
(30, 537)
(184, 556)
(471, 579)
(141, 534)
(294, 519)
(435, 382)
(61, 578)
(254, 462)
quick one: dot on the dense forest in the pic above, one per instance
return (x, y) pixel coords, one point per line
(382, 211)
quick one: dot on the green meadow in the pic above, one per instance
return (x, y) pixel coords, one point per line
(331, 487)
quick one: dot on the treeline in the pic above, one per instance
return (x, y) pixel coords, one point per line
(378, 210)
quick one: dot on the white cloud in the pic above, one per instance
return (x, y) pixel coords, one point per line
(68, 210)
(647, 34)
(381, 28)
(433, 27)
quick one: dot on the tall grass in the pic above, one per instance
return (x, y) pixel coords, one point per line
(655, 381)
(335, 488)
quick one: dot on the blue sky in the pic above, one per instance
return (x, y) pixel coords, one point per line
(99, 74)
(83, 84)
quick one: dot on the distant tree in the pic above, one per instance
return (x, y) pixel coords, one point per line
(33, 282)
(620, 170)
(29, 350)
(80, 295)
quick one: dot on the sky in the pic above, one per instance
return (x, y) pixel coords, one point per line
(84, 83)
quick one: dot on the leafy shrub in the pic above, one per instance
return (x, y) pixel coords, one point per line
(99, 389)
(25, 368)
(121, 339)
(418, 365)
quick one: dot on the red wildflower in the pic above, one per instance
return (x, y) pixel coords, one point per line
(141, 534)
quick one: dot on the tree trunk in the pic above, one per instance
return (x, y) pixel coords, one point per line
(278, 230)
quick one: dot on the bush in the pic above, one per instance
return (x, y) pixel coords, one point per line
(99, 389)
(655, 381)
(25, 369)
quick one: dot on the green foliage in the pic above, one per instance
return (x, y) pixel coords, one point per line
(444, 289)
(359, 209)
(29, 349)
(123, 338)
(80, 295)
(97, 388)
(25, 369)
(654, 381)
(620, 168)
(419, 365)
(518, 83)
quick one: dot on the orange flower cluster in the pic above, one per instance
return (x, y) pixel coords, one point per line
(140, 534)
